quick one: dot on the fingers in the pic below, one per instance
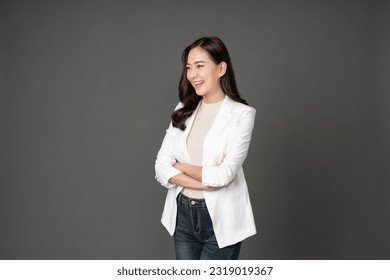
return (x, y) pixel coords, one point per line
(213, 189)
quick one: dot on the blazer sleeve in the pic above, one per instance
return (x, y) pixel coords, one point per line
(223, 174)
(165, 159)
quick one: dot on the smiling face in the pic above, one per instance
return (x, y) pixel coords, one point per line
(204, 75)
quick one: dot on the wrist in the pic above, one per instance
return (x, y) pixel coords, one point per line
(177, 165)
(184, 167)
(181, 167)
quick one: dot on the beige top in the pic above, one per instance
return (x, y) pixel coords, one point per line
(202, 123)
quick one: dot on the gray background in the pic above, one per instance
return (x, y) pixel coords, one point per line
(87, 89)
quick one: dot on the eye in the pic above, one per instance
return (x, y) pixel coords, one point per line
(200, 66)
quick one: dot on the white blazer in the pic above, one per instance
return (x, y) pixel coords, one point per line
(224, 151)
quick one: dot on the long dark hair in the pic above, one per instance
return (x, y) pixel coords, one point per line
(218, 53)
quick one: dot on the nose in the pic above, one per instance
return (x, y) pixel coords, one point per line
(192, 74)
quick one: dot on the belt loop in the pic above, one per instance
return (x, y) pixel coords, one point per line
(178, 198)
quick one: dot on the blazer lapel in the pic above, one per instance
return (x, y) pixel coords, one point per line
(220, 122)
(183, 142)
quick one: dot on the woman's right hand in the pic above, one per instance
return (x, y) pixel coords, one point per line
(212, 189)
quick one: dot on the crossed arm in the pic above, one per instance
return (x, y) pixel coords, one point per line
(191, 177)
(170, 172)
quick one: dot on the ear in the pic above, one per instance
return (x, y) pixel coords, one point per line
(222, 69)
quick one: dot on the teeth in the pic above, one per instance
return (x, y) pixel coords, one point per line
(198, 83)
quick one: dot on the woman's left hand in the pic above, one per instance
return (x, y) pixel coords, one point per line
(178, 165)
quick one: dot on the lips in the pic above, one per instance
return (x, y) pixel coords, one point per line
(197, 84)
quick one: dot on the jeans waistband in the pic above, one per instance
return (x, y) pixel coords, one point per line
(193, 202)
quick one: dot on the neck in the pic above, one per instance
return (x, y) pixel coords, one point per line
(214, 98)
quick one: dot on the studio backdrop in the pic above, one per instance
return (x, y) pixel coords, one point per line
(87, 89)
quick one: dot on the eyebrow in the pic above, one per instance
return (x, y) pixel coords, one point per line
(196, 62)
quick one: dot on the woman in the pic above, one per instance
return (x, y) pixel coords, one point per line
(207, 208)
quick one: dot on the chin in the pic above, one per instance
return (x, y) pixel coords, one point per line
(199, 93)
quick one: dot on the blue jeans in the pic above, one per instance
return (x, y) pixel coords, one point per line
(194, 235)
